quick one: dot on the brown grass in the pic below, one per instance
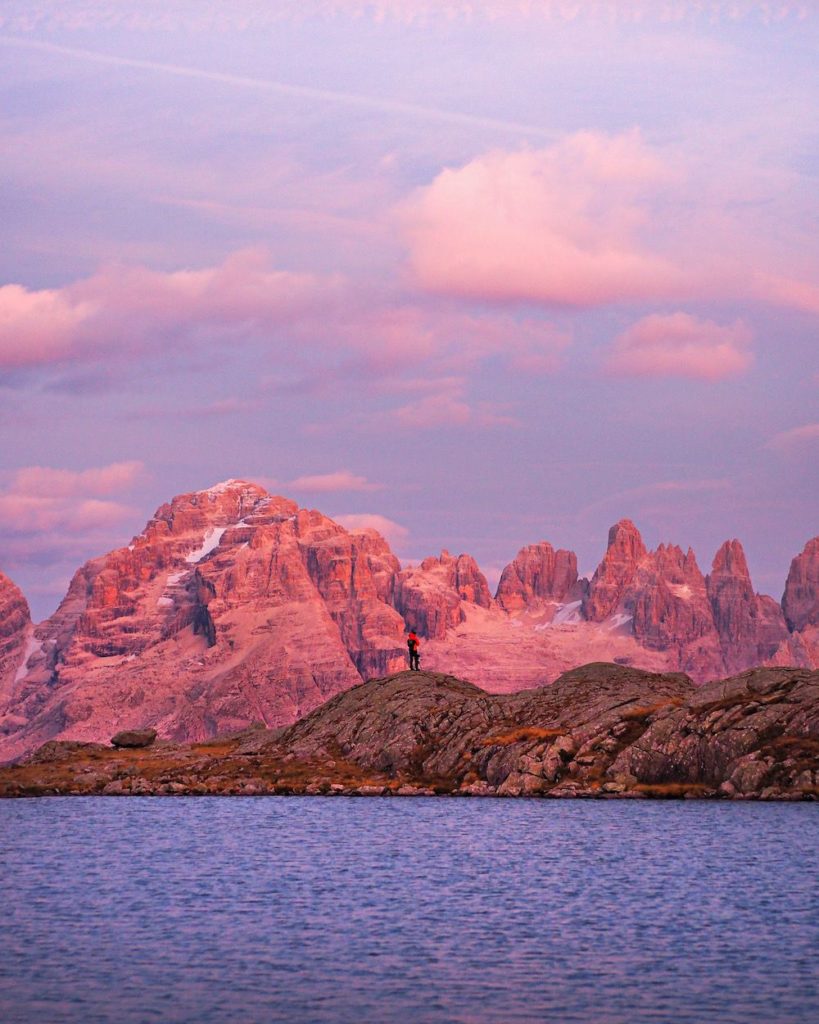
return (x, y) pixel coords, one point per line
(644, 710)
(219, 749)
(524, 732)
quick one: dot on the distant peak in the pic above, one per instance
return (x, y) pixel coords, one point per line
(731, 559)
(625, 536)
(232, 485)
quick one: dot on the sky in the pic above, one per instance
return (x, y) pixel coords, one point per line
(475, 273)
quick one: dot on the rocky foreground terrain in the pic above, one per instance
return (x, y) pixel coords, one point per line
(234, 605)
(599, 731)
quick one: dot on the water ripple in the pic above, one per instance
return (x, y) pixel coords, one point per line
(430, 911)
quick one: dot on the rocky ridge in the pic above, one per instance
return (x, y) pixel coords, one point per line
(599, 731)
(234, 605)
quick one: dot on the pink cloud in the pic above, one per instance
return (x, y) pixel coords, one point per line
(124, 311)
(790, 292)
(387, 337)
(392, 340)
(443, 409)
(559, 225)
(128, 308)
(595, 219)
(342, 480)
(39, 326)
(394, 533)
(26, 514)
(449, 407)
(242, 289)
(680, 345)
(43, 481)
(791, 441)
(39, 502)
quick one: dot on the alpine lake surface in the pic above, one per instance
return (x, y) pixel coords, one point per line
(267, 909)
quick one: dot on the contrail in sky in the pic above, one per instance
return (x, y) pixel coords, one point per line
(349, 99)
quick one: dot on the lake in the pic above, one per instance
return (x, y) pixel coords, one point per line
(414, 910)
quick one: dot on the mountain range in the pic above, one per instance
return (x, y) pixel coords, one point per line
(234, 606)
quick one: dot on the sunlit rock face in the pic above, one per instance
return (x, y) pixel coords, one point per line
(432, 596)
(612, 586)
(234, 606)
(800, 602)
(539, 573)
(751, 628)
(15, 631)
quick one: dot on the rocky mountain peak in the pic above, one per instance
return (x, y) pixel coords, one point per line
(625, 541)
(751, 628)
(220, 506)
(730, 561)
(800, 602)
(537, 573)
(616, 573)
(15, 628)
(430, 596)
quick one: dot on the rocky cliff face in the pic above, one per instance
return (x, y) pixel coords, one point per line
(612, 586)
(800, 602)
(15, 630)
(751, 628)
(234, 605)
(671, 608)
(538, 573)
(431, 597)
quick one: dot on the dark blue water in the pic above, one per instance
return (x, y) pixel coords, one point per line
(345, 910)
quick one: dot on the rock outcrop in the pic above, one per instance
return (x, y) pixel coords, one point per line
(599, 731)
(134, 738)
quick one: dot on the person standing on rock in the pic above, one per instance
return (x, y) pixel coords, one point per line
(413, 645)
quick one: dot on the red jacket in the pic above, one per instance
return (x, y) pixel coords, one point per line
(412, 640)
